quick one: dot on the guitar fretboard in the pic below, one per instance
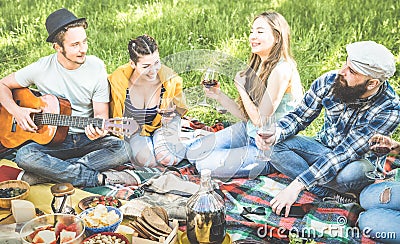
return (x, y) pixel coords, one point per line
(66, 120)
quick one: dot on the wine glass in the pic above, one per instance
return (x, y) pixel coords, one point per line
(380, 146)
(167, 113)
(266, 129)
(209, 79)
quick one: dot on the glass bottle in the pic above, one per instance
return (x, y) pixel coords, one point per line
(205, 213)
(62, 202)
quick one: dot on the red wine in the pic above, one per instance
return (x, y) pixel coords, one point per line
(209, 83)
(265, 134)
(381, 150)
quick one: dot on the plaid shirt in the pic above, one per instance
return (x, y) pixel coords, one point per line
(346, 129)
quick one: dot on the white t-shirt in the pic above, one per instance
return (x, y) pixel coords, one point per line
(81, 86)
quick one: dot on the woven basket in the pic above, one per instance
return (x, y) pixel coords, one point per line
(6, 202)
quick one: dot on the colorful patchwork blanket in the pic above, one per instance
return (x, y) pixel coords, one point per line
(324, 222)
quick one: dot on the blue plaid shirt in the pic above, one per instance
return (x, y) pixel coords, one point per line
(346, 129)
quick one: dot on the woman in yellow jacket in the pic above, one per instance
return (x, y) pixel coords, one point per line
(138, 89)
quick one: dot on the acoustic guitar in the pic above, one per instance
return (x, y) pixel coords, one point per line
(53, 121)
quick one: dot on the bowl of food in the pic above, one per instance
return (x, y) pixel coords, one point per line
(106, 237)
(54, 228)
(101, 219)
(11, 190)
(93, 201)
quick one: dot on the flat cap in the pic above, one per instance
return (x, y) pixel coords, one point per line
(371, 59)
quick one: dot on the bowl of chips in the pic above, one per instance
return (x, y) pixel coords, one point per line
(101, 219)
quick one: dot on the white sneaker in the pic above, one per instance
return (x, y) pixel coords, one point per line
(126, 177)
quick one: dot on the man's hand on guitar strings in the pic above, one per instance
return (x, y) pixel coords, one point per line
(24, 119)
(94, 133)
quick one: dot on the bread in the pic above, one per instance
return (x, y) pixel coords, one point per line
(161, 212)
(152, 224)
(150, 229)
(139, 230)
(155, 221)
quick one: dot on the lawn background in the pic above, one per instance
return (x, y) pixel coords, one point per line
(320, 31)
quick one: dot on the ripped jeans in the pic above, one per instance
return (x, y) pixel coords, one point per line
(381, 220)
(229, 153)
(295, 155)
(162, 147)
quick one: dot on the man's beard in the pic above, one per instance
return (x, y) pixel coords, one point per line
(348, 94)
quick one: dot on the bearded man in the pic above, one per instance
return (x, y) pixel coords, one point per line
(358, 102)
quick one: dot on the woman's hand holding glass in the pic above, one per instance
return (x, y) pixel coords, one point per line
(266, 132)
(209, 80)
(167, 113)
(212, 92)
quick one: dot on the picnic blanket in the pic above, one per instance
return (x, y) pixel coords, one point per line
(326, 222)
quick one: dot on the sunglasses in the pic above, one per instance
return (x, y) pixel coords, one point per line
(256, 211)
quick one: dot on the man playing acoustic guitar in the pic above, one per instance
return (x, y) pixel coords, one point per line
(87, 153)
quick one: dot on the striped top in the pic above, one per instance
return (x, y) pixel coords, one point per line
(141, 115)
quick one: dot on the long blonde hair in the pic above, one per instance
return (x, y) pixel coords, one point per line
(256, 85)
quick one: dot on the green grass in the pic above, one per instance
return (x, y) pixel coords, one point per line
(320, 31)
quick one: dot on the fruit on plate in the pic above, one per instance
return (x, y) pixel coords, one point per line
(45, 234)
(104, 200)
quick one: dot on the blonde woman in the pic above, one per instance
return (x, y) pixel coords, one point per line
(270, 85)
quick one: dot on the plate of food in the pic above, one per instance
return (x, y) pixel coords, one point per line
(93, 201)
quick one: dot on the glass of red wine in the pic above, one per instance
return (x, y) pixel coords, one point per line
(380, 146)
(209, 79)
(266, 129)
(167, 113)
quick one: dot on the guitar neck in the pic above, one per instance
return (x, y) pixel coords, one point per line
(66, 120)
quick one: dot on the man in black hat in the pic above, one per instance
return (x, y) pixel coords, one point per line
(86, 153)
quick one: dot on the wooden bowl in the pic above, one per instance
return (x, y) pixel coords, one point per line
(6, 202)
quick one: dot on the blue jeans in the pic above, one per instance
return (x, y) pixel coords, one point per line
(381, 220)
(228, 153)
(294, 155)
(77, 160)
(164, 144)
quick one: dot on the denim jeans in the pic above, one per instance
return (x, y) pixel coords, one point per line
(228, 153)
(77, 160)
(381, 220)
(145, 150)
(294, 155)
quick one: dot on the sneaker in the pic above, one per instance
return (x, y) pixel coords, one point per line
(343, 198)
(33, 179)
(125, 177)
